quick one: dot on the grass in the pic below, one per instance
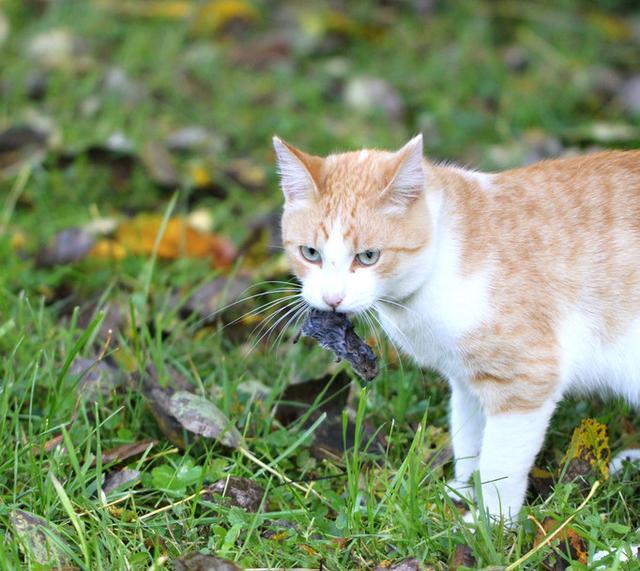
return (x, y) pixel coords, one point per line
(489, 84)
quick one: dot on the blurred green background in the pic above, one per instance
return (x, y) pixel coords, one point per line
(115, 114)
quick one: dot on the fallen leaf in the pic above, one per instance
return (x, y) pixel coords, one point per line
(39, 540)
(588, 451)
(240, 492)
(125, 451)
(48, 446)
(463, 557)
(107, 249)
(200, 416)
(68, 246)
(200, 562)
(159, 399)
(566, 547)
(139, 235)
(118, 480)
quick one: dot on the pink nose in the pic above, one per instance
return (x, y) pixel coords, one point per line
(332, 299)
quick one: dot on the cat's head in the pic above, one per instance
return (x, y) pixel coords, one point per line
(355, 225)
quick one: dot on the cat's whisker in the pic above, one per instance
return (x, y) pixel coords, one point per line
(265, 323)
(396, 328)
(257, 311)
(400, 305)
(393, 344)
(372, 327)
(217, 312)
(295, 318)
(276, 323)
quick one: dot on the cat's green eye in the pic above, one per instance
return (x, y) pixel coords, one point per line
(310, 254)
(368, 257)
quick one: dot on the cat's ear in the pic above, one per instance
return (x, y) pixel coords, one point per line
(298, 172)
(407, 177)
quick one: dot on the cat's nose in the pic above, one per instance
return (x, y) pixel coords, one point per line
(332, 299)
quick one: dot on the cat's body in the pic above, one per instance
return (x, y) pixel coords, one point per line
(517, 287)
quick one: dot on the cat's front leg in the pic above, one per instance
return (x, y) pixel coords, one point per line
(510, 443)
(466, 428)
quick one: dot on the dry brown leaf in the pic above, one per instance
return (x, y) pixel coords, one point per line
(68, 246)
(118, 479)
(239, 492)
(463, 557)
(567, 546)
(39, 540)
(125, 451)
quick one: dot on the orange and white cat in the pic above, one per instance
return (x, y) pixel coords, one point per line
(518, 286)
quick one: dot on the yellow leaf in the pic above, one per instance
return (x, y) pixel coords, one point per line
(139, 235)
(590, 445)
(108, 250)
(18, 240)
(216, 15)
(169, 9)
(199, 175)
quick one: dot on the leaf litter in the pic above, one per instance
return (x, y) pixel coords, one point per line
(39, 540)
(239, 492)
(201, 416)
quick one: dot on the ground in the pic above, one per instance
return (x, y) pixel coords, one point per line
(147, 126)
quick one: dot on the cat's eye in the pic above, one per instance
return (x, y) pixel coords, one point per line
(368, 257)
(310, 254)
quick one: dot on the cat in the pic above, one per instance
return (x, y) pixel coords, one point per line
(518, 286)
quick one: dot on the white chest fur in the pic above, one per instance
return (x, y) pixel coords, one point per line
(442, 311)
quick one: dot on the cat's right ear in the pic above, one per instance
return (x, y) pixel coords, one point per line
(298, 173)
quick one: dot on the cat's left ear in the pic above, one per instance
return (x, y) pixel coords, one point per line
(298, 173)
(407, 177)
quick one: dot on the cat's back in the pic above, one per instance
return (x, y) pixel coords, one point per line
(594, 179)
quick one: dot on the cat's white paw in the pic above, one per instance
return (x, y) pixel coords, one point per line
(472, 517)
(460, 491)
